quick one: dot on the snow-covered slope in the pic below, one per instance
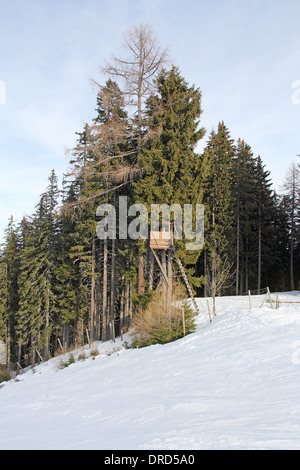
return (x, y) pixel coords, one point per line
(233, 384)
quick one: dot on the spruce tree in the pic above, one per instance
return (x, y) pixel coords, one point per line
(171, 167)
(263, 226)
(78, 233)
(291, 188)
(219, 209)
(279, 280)
(245, 207)
(102, 164)
(36, 277)
(9, 266)
(3, 297)
(66, 278)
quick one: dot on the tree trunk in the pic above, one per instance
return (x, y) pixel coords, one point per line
(66, 330)
(214, 264)
(165, 286)
(93, 286)
(292, 260)
(104, 291)
(237, 254)
(292, 231)
(214, 280)
(151, 270)
(169, 286)
(79, 322)
(7, 344)
(205, 273)
(112, 289)
(98, 308)
(247, 272)
(127, 304)
(140, 272)
(47, 308)
(259, 241)
(122, 303)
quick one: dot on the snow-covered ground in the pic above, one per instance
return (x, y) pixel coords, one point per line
(233, 384)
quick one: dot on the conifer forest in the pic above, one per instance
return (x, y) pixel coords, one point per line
(62, 286)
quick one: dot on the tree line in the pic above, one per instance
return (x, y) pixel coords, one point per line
(61, 286)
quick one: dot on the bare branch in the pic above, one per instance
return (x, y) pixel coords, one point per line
(68, 206)
(146, 58)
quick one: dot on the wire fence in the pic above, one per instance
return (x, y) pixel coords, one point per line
(57, 344)
(264, 290)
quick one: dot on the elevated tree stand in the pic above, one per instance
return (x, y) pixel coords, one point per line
(162, 242)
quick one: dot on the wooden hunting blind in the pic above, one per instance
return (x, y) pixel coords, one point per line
(161, 240)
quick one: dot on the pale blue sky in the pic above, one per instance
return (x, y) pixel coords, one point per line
(243, 55)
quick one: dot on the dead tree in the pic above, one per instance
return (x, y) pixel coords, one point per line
(219, 276)
(145, 60)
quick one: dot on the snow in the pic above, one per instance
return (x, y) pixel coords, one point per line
(232, 384)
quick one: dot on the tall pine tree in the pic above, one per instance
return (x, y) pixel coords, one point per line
(172, 170)
(36, 277)
(9, 270)
(219, 209)
(245, 206)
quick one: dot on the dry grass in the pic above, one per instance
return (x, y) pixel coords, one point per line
(161, 322)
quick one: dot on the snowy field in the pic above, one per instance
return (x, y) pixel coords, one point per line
(233, 384)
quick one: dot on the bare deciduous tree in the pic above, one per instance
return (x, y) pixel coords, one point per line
(138, 71)
(219, 276)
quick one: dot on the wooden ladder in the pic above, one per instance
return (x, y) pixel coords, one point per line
(188, 286)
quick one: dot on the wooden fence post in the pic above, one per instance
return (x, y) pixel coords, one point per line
(270, 298)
